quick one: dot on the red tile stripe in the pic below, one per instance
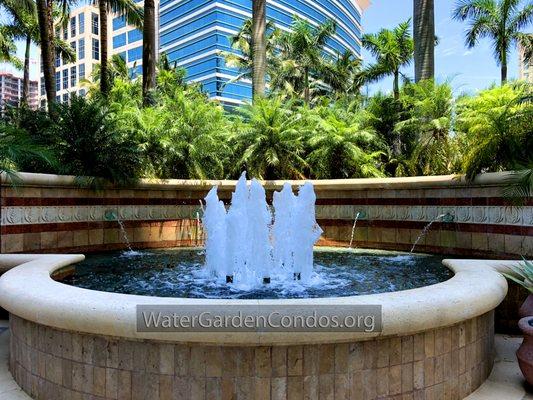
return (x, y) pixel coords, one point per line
(416, 225)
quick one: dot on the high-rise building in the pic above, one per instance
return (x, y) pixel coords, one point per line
(83, 34)
(11, 91)
(195, 32)
(525, 69)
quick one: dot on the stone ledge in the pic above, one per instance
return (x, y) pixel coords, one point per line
(29, 292)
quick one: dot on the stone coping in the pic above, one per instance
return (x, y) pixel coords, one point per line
(29, 292)
(488, 179)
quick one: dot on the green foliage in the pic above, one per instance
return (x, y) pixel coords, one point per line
(17, 147)
(393, 49)
(90, 142)
(341, 148)
(500, 20)
(495, 129)
(182, 137)
(271, 140)
(522, 274)
(430, 108)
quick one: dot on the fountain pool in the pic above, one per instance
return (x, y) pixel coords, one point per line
(75, 328)
(181, 273)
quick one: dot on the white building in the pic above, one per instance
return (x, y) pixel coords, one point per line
(83, 34)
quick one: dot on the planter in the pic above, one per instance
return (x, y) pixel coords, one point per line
(526, 309)
(525, 352)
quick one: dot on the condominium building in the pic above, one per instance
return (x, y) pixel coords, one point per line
(83, 34)
(11, 88)
(525, 69)
(195, 32)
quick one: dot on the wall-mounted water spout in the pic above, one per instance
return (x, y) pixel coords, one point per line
(112, 215)
(428, 227)
(448, 218)
(357, 216)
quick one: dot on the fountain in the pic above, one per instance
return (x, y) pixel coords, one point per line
(124, 235)
(353, 228)
(426, 229)
(111, 215)
(279, 247)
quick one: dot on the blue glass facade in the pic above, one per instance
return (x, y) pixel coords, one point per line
(194, 32)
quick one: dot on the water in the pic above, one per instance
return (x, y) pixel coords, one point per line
(425, 231)
(353, 228)
(181, 273)
(247, 245)
(125, 235)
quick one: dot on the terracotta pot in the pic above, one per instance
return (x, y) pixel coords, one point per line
(526, 309)
(525, 352)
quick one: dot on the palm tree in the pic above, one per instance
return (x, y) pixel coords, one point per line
(302, 56)
(271, 140)
(500, 20)
(25, 27)
(495, 128)
(344, 75)
(133, 15)
(393, 50)
(46, 32)
(259, 48)
(117, 69)
(149, 51)
(8, 48)
(8, 35)
(241, 57)
(340, 150)
(430, 106)
(424, 39)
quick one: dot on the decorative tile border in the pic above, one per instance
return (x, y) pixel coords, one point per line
(394, 213)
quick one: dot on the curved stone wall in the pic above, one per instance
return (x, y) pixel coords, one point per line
(51, 214)
(446, 363)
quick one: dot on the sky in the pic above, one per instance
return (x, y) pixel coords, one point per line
(468, 70)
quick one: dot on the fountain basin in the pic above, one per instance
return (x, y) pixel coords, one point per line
(68, 342)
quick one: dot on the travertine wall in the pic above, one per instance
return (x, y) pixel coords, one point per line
(447, 363)
(52, 214)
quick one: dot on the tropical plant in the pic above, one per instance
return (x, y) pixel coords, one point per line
(343, 75)
(271, 140)
(522, 274)
(8, 48)
(259, 48)
(184, 136)
(500, 20)
(23, 25)
(519, 185)
(495, 128)
(45, 9)
(116, 69)
(386, 113)
(340, 149)
(393, 49)
(133, 15)
(90, 142)
(17, 147)
(241, 55)
(424, 39)
(430, 122)
(149, 51)
(301, 51)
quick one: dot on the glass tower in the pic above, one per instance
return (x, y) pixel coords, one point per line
(195, 32)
